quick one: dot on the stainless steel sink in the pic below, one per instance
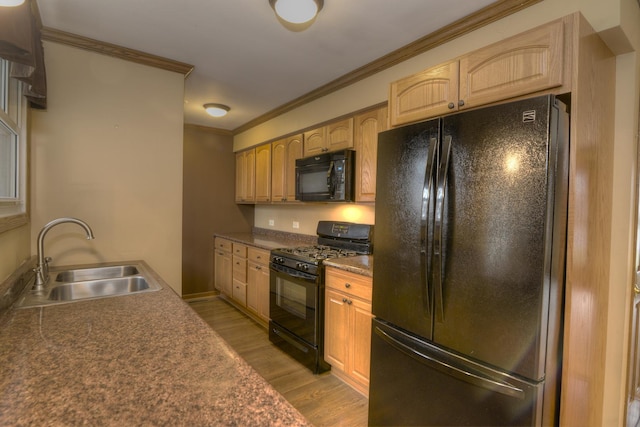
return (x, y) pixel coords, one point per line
(96, 273)
(94, 282)
(98, 288)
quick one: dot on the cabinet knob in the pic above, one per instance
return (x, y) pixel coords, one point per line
(344, 300)
(461, 103)
(451, 105)
(347, 285)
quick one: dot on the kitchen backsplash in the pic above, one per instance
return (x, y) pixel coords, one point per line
(303, 218)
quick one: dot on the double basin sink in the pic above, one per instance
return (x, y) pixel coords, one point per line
(79, 284)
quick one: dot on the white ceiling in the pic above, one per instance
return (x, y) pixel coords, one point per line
(243, 56)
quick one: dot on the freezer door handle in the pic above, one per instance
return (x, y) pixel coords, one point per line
(476, 378)
(443, 170)
(427, 200)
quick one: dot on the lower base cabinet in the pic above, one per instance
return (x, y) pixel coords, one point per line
(347, 338)
(242, 277)
(258, 283)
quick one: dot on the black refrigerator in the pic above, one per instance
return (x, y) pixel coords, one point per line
(470, 234)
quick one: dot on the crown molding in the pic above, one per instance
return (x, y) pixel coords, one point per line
(469, 23)
(70, 39)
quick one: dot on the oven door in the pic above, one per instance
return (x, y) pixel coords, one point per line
(294, 302)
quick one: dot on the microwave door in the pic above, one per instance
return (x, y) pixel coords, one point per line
(312, 183)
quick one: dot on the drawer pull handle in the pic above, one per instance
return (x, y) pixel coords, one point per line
(347, 285)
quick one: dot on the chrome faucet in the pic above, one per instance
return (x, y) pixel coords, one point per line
(42, 268)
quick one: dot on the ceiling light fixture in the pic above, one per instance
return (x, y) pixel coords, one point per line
(296, 11)
(216, 110)
(10, 3)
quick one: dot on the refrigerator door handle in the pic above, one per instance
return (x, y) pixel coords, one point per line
(443, 170)
(427, 200)
(475, 378)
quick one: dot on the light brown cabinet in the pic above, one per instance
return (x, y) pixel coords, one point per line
(524, 64)
(258, 282)
(331, 137)
(366, 128)
(284, 153)
(223, 276)
(263, 173)
(347, 336)
(245, 176)
(239, 257)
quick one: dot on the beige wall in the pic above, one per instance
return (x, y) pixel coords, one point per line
(618, 22)
(308, 215)
(14, 249)
(108, 150)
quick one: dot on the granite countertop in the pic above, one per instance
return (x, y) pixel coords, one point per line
(145, 359)
(266, 239)
(360, 264)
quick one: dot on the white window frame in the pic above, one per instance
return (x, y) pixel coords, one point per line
(13, 116)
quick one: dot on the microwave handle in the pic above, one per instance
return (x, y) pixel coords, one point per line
(331, 185)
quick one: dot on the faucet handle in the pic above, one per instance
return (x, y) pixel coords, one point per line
(48, 259)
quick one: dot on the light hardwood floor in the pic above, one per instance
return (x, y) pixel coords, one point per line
(322, 399)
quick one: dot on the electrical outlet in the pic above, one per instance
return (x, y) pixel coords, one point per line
(296, 224)
(272, 222)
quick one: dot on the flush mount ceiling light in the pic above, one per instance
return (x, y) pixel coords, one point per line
(10, 3)
(296, 11)
(216, 110)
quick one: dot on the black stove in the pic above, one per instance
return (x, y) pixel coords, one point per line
(296, 306)
(335, 240)
(308, 258)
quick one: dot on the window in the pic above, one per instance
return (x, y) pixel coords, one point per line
(13, 163)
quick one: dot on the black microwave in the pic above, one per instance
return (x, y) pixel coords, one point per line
(327, 177)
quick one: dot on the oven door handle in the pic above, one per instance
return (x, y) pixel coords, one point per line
(291, 272)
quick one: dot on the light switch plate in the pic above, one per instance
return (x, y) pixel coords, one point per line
(296, 224)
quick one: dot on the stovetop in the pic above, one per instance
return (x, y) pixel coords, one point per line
(314, 254)
(335, 240)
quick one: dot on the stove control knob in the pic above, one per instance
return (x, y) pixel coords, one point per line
(278, 260)
(302, 266)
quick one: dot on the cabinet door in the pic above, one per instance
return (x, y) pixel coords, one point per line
(520, 65)
(240, 177)
(367, 127)
(253, 270)
(339, 135)
(262, 283)
(263, 173)
(360, 333)
(223, 271)
(336, 328)
(245, 176)
(314, 142)
(294, 152)
(430, 93)
(284, 154)
(278, 170)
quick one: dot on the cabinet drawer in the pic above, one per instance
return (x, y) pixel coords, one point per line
(223, 244)
(239, 269)
(239, 292)
(240, 250)
(259, 256)
(351, 283)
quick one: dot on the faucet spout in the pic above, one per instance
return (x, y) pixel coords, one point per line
(42, 268)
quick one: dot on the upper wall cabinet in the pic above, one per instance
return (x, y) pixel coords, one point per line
(529, 62)
(284, 153)
(430, 93)
(332, 137)
(245, 176)
(366, 128)
(263, 173)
